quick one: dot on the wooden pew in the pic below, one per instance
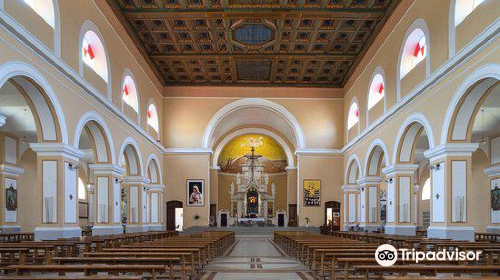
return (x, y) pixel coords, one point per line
(87, 270)
(428, 270)
(441, 278)
(73, 277)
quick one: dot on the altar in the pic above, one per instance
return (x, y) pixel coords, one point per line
(253, 220)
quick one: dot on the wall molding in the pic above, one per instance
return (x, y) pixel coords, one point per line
(483, 40)
(29, 41)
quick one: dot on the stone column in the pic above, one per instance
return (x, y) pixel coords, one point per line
(136, 203)
(351, 207)
(493, 173)
(56, 190)
(416, 203)
(91, 188)
(400, 200)
(155, 206)
(107, 198)
(451, 174)
(370, 203)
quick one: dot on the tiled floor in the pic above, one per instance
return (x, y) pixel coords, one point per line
(255, 258)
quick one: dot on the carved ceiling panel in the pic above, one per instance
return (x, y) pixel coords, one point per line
(260, 42)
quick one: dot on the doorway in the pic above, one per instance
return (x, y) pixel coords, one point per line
(175, 212)
(292, 218)
(332, 215)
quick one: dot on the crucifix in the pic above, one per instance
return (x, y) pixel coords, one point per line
(252, 157)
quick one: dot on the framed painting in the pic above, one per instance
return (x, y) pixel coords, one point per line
(312, 192)
(495, 199)
(11, 199)
(195, 189)
(83, 210)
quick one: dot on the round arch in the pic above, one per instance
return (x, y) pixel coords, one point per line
(90, 26)
(353, 170)
(376, 154)
(408, 135)
(354, 99)
(378, 71)
(208, 141)
(129, 73)
(276, 137)
(104, 151)
(417, 24)
(152, 169)
(43, 98)
(133, 159)
(153, 102)
(463, 105)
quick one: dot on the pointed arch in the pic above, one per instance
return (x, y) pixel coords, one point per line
(408, 134)
(377, 154)
(104, 151)
(50, 114)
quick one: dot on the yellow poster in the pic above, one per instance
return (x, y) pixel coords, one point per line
(312, 192)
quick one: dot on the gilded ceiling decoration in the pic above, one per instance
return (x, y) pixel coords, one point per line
(260, 42)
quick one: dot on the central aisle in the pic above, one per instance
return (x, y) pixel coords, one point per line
(255, 258)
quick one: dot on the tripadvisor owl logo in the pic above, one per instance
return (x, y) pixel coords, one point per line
(386, 255)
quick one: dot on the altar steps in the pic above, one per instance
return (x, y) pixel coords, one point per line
(251, 231)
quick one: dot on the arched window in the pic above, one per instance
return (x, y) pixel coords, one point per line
(82, 193)
(353, 117)
(426, 190)
(94, 55)
(377, 91)
(153, 117)
(463, 8)
(44, 8)
(129, 92)
(415, 50)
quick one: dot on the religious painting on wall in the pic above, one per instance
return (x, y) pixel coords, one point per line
(272, 155)
(312, 192)
(11, 199)
(195, 192)
(495, 199)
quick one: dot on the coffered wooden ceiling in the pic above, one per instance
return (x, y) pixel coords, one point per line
(253, 42)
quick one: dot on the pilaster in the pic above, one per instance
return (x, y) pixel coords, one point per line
(351, 206)
(369, 187)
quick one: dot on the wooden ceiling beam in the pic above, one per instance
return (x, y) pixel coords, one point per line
(269, 14)
(256, 56)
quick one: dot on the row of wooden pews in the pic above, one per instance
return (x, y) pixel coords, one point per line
(351, 255)
(152, 255)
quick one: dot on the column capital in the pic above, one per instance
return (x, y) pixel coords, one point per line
(154, 187)
(107, 169)
(400, 168)
(369, 180)
(11, 170)
(492, 171)
(137, 180)
(57, 149)
(451, 149)
(3, 120)
(351, 188)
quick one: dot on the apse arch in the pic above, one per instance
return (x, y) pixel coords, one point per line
(86, 27)
(43, 98)
(421, 25)
(377, 152)
(378, 71)
(101, 136)
(278, 112)
(353, 170)
(408, 134)
(132, 157)
(283, 143)
(153, 171)
(464, 104)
